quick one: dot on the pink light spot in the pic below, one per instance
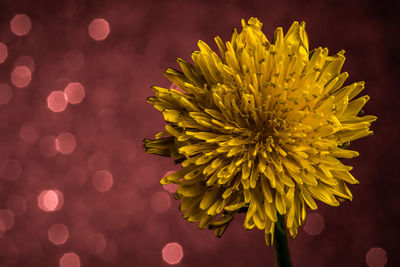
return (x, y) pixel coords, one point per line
(21, 76)
(17, 205)
(26, 61)
(70, 260)
(50, 200)
(21, 25)
(8, 219)
(160, 202)
(174, 86)
(102, 181)
(99, 29)
(47, 146)
(74, 59)
(171, 188)
(5, 93)
(3, 52)
(29, 132)
(107, 119)
(96, 243)
(65, 143)
(172, 253)
(10, 170)
(74, 93)
(314, 224)
(58, 234)
(57, 101)
(376, 257)
(98, 161)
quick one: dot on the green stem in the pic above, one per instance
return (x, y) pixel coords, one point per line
(280, 244)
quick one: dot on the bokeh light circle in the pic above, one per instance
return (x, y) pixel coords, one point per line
(65, 143)
(5, 93)
(10, 170)
(29, 132)
(70, 259)
(57, 101)
(376, 257)
(74, 93)
(160, 201)
(172, 253)
(102, 181)
(315, 223)
(21, 76)
(20, 24)
(96, 243)
(50, 200)
(26, 61)
(8, 219)
(17, 205)
(99, 29)
(3, 52)
(58, 234)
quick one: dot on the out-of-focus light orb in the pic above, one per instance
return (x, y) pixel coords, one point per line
(3, 52)
(172, 253)
(99, 29)
(98, 161)
(160, 201)
(57, 101)
(50, 200)
(20, 25)
(376, 257)
(58, 234)
(102, 181)
(315, 223)
(8, 219)
(29, 132)
(10, 170)
(74, 59)
(21, 76)
(74, 93)
(96, 243)
(5, 93)
(17, 204)
(65, 143)
(70, 259)
(171, 188)
(26, 61)
(47, 146)
(106, 119)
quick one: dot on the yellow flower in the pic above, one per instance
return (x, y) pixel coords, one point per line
(259, 129)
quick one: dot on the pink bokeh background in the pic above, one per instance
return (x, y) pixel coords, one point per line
(77, 189)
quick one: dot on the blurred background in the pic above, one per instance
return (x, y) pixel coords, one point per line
(77, 189)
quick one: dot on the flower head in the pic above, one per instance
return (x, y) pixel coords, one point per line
(259, 129)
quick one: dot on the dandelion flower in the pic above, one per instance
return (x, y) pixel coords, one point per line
(259, 129)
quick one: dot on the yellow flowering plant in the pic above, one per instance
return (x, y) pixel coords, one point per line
(259, 129)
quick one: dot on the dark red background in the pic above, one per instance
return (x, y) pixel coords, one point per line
(145, 38)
